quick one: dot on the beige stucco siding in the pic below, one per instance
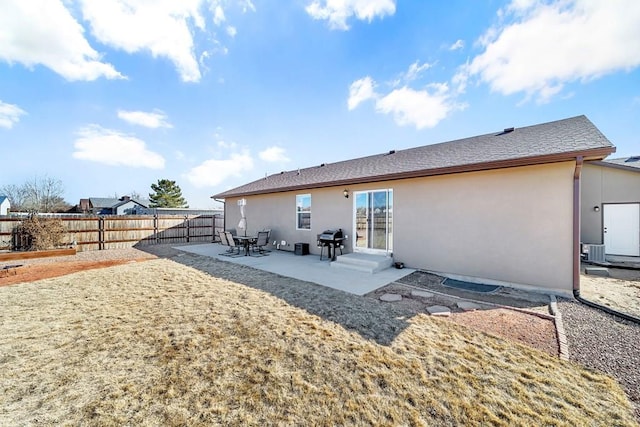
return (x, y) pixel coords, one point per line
(600, 185)
(329, 209)
(511, 225)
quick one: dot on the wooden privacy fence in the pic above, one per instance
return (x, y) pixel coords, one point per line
(121, 231)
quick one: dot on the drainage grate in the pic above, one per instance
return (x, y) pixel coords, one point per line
(468, 286)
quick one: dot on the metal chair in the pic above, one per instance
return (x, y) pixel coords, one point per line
(261, 241)
(224, 242)
(234, 250)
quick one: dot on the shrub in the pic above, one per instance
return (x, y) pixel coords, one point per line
(42, 233)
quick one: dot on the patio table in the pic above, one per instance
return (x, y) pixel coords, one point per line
(246, 242)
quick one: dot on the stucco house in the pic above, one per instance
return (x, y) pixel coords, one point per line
(4, 205)
(499, 208)
(611, 205)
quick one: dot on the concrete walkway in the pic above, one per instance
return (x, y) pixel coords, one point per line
(307, 267)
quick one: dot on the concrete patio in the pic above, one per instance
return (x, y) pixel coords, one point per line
(308, 267)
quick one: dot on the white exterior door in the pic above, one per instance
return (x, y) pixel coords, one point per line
(621, 229)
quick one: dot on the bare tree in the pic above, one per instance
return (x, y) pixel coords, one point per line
(16, 196)
(40, 194)
(136, 196)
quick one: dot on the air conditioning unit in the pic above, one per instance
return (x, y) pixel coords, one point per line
(595, 253)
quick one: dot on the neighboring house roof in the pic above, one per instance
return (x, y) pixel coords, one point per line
(124, 202)
(628, 163)
(112, 202)
(544, 143)
(109, 202)
(103, 202)
(4, 205)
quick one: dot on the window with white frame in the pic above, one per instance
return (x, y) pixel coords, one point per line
(303, 212)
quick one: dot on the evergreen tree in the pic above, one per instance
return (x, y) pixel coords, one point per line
(167, 194)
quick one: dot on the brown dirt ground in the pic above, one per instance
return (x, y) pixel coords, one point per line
(526, 328)
(30, 273)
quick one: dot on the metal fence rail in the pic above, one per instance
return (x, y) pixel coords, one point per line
(121, 231)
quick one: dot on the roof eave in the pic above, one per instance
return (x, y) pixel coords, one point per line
(615, 166)
(591, 154)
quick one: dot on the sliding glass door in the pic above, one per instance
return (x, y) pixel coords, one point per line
(373, 217)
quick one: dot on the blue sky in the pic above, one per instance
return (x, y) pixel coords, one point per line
(111, 95)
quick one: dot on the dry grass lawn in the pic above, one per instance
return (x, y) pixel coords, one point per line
(620, 290)
(161, 343)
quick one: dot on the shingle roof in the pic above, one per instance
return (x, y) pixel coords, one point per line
(631, 163)
(103, 202)
(548, 142)
(124, 202)
(112, 202)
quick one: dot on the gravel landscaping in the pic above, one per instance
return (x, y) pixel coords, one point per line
(606, 343)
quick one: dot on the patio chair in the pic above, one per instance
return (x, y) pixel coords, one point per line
(268, 231)
(224, 242)
(234, 249)
(261, 242)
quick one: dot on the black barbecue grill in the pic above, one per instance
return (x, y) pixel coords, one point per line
(331, 239)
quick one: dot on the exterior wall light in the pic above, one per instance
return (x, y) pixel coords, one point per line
(345, 193)
(596, 208)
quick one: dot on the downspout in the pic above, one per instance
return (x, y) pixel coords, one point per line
(576, 226)
(576, 249)
(224, 209)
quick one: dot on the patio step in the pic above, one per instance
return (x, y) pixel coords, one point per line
(363, 262)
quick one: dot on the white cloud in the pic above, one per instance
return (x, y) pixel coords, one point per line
(461, 78)
(459, 44)
(218, 15)
(337, 12)
(46, 32)
(159, 27)
(43, 32)
(544, 46)
(247, 5)
(113, 148)
(9, 115)
(414, 71)
(153, 120)
(420, 108)
(274, 154)
(227, 145)
(214, 171)
(361, 90)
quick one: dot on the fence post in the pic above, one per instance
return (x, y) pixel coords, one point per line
(155, 228)
(186, 220)
(100, 233)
